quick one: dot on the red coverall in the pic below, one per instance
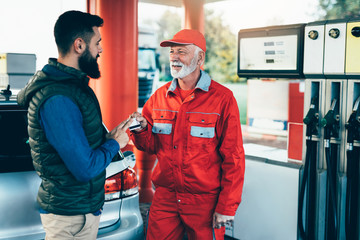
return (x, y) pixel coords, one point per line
(201, 163)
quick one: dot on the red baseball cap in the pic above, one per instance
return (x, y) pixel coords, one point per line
(187, 36)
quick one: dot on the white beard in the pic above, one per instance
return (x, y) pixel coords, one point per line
(185, 69)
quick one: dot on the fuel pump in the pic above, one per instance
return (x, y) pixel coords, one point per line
(329, 179)
(331, 126)
(308, 182)
(352, 71)
(352, 154)
(311, 202)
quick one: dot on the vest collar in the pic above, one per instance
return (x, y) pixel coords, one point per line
(59, 69)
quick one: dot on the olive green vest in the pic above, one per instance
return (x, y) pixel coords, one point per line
(59, 192)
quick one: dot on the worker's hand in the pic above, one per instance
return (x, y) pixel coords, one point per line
(119, 133)
(220, 220)
(140, 119)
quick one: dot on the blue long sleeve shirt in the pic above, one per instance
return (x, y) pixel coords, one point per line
(61, 120)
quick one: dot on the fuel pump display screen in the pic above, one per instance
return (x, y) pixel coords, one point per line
(269, 53)
(275, 52)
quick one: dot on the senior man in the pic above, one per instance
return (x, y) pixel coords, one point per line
(192, 124)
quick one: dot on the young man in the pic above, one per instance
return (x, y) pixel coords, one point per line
(192, 124)
(69, 146)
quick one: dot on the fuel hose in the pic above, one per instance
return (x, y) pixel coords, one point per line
(311, 122)
(352, 155)
(330, 123)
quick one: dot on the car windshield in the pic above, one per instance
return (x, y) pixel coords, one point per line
(14, 145)
(146, 59)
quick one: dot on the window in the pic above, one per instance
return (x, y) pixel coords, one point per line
(146, 59)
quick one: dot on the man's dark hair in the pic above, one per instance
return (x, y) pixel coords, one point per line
(72, 25)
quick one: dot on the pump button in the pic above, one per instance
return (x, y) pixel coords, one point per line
(313, 34)
(355, 31)
(334, 33)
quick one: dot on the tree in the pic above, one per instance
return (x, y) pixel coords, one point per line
(337, 9)
(220, 60)
(169, 24)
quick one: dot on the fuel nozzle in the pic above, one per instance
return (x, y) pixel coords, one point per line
(312, 117)
(330, 117)
(6, 92)
(331, 121)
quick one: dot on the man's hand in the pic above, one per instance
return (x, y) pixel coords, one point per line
(140, 119)
(220, 220)
(119, 133)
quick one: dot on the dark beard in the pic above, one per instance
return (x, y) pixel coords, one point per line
(88, 64)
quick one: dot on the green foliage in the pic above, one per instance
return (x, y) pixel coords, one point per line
(220, 59)
(169, 24)
(338, 9)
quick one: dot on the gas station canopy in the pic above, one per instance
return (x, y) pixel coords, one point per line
(173, 3)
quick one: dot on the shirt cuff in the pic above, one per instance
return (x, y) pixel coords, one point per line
(141, 131)
(112, 145)
(226, 210)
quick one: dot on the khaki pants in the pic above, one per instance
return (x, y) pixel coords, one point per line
(79, 227)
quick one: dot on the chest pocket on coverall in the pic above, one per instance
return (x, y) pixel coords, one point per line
(163, 126)
(202, 129)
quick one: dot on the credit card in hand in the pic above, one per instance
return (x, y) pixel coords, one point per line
(134, 125)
